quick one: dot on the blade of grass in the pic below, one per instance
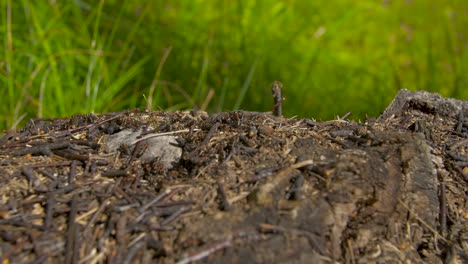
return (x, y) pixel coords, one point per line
(223, 95)
(88, 82)
(9, 60)
(116, 26)
(95, 43)
(118, 85)
(129, 39)
(47, 46)
(207, 100)
(201, 80)
(96, 25)
(41, 94)
(166, 53)
(96, 86)
(246, 85)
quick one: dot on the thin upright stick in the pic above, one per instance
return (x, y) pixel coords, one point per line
(277, 98)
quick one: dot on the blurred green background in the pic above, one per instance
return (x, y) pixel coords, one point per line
(60, 58)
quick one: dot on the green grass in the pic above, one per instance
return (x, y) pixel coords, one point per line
(60, 58)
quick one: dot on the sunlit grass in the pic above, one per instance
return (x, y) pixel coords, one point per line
(65, 57)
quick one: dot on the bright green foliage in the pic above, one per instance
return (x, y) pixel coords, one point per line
(59, 58)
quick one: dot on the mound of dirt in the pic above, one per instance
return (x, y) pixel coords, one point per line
(145, 187)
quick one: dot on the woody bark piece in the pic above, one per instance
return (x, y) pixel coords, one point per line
(425, 102)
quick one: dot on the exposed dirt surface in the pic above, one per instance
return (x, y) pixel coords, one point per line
(239, 187)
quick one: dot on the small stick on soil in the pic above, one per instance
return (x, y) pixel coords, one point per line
(93, 167)
(70, 131)
(262, 173)
(114, 173)
(70, 251)
(66, 153)
(231, 153)
(146, 131)
(294, 192)
(127, 197)
(85, 142)
(154, 201)
(66, 189)
(459, 144)
(205, 141)
(165, 134)
(417, 217)
(8, 135)
(221, 244)
(443, 209)
(71, 176)
(20, 223)
(132, 252)
(461, 120)
(49, 211)
(277, 98)
(52, 164)
(350, 251)
(274, 229)
(172, 204)
(210, 134)
(464, 135)
(302, 164)
(460, 172)
(121, 236)
(205, 253)
(346, 115)
(456, 156)
(48, 174)
(225, 205)
(34, 180)
(175, 215)
(39, 260)
(138, 150)
(96, 215)
(41, 149)
(31, 175)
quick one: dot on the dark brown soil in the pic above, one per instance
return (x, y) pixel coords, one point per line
(239, 187)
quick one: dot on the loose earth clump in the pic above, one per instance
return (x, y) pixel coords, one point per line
(235, 187)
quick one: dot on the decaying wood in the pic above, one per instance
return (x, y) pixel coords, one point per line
(248, 187)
